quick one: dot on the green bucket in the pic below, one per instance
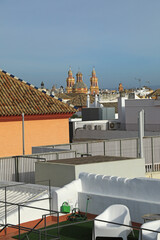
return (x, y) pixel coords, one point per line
(65, 208)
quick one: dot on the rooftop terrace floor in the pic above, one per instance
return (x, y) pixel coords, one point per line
(78, 231)
(90, 159)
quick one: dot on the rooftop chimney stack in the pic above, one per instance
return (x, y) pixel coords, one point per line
(96, 101)
(88, 100)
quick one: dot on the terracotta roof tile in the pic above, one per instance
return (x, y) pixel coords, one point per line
(155, 93)
(80, 100)
(17, 96)
(62, 96)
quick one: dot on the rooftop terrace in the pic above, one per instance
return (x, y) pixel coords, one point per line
(90, 159)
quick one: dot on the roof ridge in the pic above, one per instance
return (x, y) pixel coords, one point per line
(39, 89)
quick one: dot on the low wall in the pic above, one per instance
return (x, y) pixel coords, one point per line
(140, 195)
(69, 193)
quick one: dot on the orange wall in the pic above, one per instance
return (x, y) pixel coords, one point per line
(37, 133)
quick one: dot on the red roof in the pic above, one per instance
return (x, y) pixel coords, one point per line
(18, 96)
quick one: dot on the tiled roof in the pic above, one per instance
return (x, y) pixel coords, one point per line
(18, 96)
(81, 100)
(62, 96)
(155, 93)
(71, 95)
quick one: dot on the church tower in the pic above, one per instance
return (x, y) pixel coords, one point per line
(120, 88)
(80, 86)
(70, 81)
(94, 89)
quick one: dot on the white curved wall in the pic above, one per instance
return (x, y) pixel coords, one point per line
(140, 195)
(68, 193)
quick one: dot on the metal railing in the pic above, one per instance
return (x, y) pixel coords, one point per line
(43, 232)
(27, 229)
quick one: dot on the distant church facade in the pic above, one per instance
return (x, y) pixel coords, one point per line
(80, 86)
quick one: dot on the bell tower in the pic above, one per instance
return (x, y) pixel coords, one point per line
(70, 81)
(94, 89)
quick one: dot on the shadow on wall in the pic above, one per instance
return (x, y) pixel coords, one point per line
(27, 177)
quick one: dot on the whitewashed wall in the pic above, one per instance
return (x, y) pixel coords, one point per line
(140, 195)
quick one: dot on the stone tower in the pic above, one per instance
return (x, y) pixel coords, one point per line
(70, 81)
(120, 88)
(94, 89)
(80, 86)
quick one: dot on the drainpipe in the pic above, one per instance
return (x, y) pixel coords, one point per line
(23, 134)
(100, 104)
(96, 101)
(88, 100)
(141, 133)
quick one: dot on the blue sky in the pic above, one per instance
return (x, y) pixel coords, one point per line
(40, 39)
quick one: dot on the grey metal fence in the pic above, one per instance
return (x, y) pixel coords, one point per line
(22, 168)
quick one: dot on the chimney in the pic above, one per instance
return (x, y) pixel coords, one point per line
(88, 100)
(95, 101)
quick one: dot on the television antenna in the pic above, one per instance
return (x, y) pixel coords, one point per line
(139, 80)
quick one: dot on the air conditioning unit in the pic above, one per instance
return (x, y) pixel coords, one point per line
(98, 127)
(113, 125)
(88, 127)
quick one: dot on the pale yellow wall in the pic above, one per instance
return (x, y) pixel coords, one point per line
(37, 133)
(129, 168)
(153, 175)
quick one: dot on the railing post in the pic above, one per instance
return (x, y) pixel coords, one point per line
(5, 209)
(87, 148)
(58, 224)
(152, 154)
(45, 227)
(141, 233)
(120, 146)
(19, 222)
(16, 169)
(104, 147)
(39, 235)
(50, 196)
(137, 149)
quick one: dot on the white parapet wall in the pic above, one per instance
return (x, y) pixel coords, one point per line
(61, 173)
(69, 193)
(140, 195)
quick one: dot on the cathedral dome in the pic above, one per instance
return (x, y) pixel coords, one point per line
(79, 85)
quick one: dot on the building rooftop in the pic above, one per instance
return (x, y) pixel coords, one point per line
(89, 159)
(80, 100)
(18, 96)
(155, 93)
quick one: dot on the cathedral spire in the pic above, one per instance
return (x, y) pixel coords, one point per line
(94, 89)
(70, 81)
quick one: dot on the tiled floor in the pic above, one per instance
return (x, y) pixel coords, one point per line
(10, 235)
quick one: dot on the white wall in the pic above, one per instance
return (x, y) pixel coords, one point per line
(69, 193)
(135, 168)
(140, 195)
(61, 174)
